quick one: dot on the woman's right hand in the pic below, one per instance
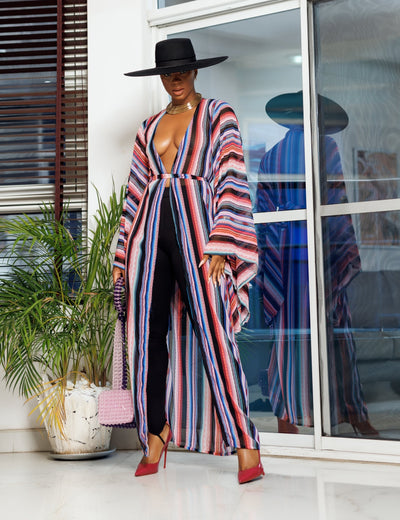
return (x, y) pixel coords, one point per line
(216, 268)
(118, 273)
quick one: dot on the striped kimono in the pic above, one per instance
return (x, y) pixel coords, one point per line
(283, 277)
(206, 394)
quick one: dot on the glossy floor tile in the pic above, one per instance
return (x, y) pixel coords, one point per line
(33, 486)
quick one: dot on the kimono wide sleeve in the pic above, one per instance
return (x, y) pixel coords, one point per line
(342, 258)
(271, 243)
(137, 182)
(232, 231)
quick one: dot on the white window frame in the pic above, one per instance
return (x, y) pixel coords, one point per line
(200, 14)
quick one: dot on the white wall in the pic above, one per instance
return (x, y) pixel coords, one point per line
(119, 41)
(18, 430)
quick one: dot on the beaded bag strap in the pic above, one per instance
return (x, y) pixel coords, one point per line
(120, 362)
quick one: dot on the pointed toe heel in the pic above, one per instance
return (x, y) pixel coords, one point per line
(365, 429)
(250, 474)
(149, 469)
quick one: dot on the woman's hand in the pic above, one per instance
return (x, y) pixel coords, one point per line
(117, 273)
(216, 269)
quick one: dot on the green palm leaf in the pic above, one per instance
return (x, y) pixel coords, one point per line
(56, 304)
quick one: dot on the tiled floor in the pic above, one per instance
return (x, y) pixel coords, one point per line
(33, 486)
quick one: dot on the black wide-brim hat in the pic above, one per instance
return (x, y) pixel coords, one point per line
(287, 110)
(176, 55)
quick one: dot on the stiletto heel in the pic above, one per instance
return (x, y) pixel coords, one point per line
(165, 457)
(151, 468)
(365, 429)
(248, 475)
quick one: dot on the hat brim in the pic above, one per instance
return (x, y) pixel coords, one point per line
(287, 110)
(198, 64)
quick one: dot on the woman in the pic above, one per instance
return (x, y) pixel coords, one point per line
(187, 250)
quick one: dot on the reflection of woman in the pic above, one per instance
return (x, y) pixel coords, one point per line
(283, 276)
(188, 247)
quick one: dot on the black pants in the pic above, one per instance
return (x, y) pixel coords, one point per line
(169, 268)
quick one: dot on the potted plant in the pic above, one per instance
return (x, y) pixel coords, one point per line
(57, 320)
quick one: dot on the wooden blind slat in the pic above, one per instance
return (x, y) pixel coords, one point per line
(31, 4)
(33, 33)
(12, 11)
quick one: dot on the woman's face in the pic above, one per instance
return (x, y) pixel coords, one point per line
(180, 86)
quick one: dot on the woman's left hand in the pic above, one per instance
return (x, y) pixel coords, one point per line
(216, 269)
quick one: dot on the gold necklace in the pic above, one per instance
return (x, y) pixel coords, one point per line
(179, 109)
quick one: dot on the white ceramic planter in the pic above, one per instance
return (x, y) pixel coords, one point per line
(83, 432)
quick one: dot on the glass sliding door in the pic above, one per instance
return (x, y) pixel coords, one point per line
(357, 53)
(262, 80)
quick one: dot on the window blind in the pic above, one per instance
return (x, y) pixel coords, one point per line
(43, 105)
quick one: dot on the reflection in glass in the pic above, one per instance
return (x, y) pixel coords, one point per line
(373, 328)
(283, 274)
(381, 228)
(283, 281)
(357, 62)
(169, 3)
(283, 270)
(342, 264)
(357, 59)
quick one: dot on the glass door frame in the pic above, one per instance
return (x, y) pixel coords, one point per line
(372, 450)
(201, 14)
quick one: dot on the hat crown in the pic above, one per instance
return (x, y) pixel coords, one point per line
(175, 50)
(176, 55)
(287, 110)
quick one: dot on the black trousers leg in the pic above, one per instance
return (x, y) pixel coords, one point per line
(157, 345)
(163, 286)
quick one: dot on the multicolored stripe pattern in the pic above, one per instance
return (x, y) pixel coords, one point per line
(283, 277)
(207, 396)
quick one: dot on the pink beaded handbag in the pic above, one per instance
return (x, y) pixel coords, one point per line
(116, 405)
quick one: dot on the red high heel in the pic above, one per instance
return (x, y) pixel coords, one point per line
(149, 469)
(365, 429)
(286, 427)
(247, 475)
